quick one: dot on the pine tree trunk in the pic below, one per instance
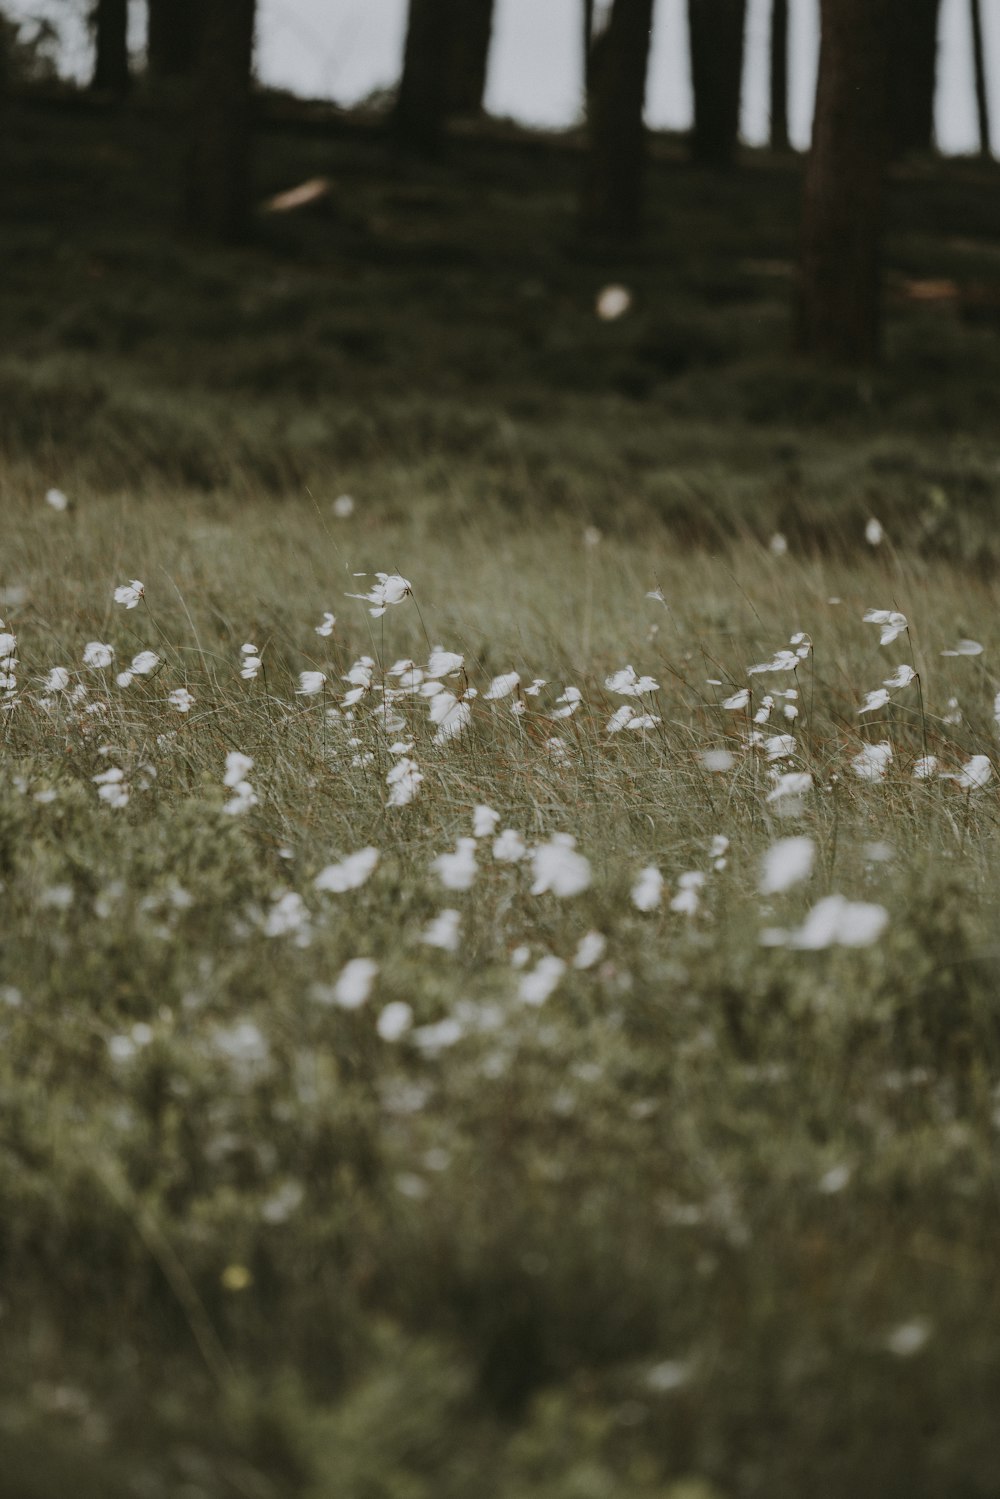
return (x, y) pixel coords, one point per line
(913, 75)
(979, 63)
(839, 292)
(109, 19)
(779, 75)
(172, 38)
(422, 104)
(612, 188)
(471, 31)
(217, 196)
(715, 29)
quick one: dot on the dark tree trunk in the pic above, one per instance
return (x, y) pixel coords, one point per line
(217, 198)
(779, 75)
(913, 75)
(715, 29)
(109, 19)
(979, 63)
(422, 104)
(612, 188)
(839, 291)
(471, 30)
(172, 40)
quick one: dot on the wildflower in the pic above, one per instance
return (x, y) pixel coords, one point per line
(181, 699)
(975, 774)
(326, 628)
(954, 713)
(432, 1039)
(786, 795)
(589, 950)
(502, 686)
(786, 863)
(780, 661)
(310, 682)
(237, 766)
(620, 719)
(288, 917)
(350, 874)
(656, 594)
(717, 851)
(130, 594)
(626, 683)
(112, 787)
(251, 664)
(390, 589)
(718, 760)
(443, 931)
(57, 680)
(451, 715)
(780, 746)
(688, 897)
(738, 700)
(484, 821)
(535, 687)
(56, 500)
(558, 868)
(403, 781)
(355, 983)
(98, 655)
(343, 506)
(925, 767)
(833, 922)
(394, 1021)
(243, 798)
(444, 663)
(509, 847)
(778, 545)
(872, 761)
(877, 698)
(647, 892)
(874, 533)
(892, 622)
(567, 703)
(613, 302)
(901, 677)
(763, 713)
(536, 987)
(457, 871)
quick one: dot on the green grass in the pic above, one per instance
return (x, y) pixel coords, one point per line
(717, 1220)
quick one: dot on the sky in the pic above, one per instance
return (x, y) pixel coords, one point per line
(343, 49)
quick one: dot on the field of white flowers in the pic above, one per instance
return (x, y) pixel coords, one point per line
(490, 1009)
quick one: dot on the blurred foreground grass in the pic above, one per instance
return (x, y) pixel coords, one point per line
(715, 1219)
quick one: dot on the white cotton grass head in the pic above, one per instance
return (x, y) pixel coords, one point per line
(326, 625)
(718, 761)
(130, 594)
(874, 533)
(975, 774)
(181, 700)
(558, 867)
(738, 700)
(590, 950)
(502, 686)
(891, 622)
(349, 874)
(628, 683)
(57, 680)
(394, 1021)
(612, 302)
(343, 506)
(787, 795)
(354, 984)
(687, 901)
(925, 768)
(540, 984)
(390, 589)
(778, 545)
(443, 932)
(786, 863)
(965, 648)
(901, 677)
(874, 700)
(872, 761)
(484, 821)
(833, 921)
(97, 655)
(457, 871)
(451, 714)
(442, 663)
(509, 847)
(56, 500)
(647, 891)
(310, 683)
(404, 781)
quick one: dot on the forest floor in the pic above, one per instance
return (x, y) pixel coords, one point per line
(658, 1165)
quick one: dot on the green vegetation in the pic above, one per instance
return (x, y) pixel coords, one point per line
(716, 1219)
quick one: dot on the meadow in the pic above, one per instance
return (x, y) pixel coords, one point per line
(531, 1030)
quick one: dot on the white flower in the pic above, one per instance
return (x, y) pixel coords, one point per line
(243, 798)
(181, 699)
(130, 594)
(355, 983)
(975, 774)
(343, 506)
(874, 533)
(780, 661)
(484, 821)
(718, 760)
(570, 700)
(390, 589)
(457, 871)
(954, 713)
(237, 766)
(834, 921)
(877, 698)
(326, 628)
(394, 1021)
(509, 847)
(535, 988)
(779, 746)
(717, 850)
(620, 719)
(443, 931)
(871, 763)
(57, 680)
(738, 700)
(451, 715)
(403, 781)
(688, 897)
(56, 499)
(502, 686)
(350, 874)
(288, 917)
(925, 767)
(785, 864)
(647, 892)
(626, 683)
(612, 302)
(965, 648)
(112, 787)
(589, 950)
(788, 790)
(444, 663)
(901, 677)
(251, 663)
(558, 867)
(778, 545)
(310, 682)
(535, 687)
(892, 622)
(98, 655)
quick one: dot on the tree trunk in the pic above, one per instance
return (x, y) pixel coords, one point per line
(979, 62)
(779, 75)
(913, 75)
(612, 188)
(109, 19)
(839, 291)
(217, 197)
(172, 40)
(422, 104)
(715, 30)
(471, 30)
